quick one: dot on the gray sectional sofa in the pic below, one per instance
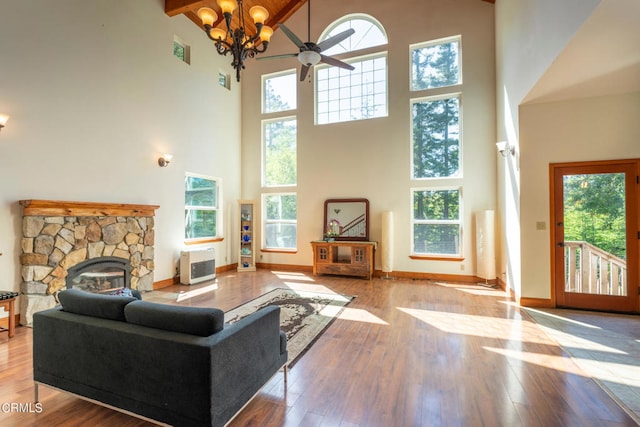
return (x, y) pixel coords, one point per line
(178, 365)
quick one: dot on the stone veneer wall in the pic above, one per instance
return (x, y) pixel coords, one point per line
(51, 244)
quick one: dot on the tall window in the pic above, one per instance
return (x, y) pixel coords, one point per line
(279, 92)
(279, 157)
(436, 222)
(279, 137)
(344, 95)
(436, 64)
(202, 208)
(280, 213)
(436, 137)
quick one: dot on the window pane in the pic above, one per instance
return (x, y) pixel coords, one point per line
(354, 95)
(199, 223)
(178, 50)
(281, 207)
(436, 138)
(368, 33)
(280, 152)
(279, 93)
(200, 192)
(440, 205)
(441, 239)
(281, 236)
(435, 66)
(280, 212)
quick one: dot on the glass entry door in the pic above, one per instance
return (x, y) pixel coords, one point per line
(596, 236)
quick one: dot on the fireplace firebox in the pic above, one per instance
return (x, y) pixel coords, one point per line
(103, 274)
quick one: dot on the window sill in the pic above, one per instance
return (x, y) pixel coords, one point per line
(202, 241)
(436, 258)
(280, 251)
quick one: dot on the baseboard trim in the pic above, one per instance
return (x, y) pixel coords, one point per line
(285, 267)
(535, 302)
(412, 275)
(176, 280)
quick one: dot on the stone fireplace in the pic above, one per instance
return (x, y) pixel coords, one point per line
(59, 238)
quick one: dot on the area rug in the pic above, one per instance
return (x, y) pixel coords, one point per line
(304, 315)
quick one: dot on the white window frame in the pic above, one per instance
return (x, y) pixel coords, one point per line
(413, 101)
(430, 43)
(266, 77)
(377, 55)
(267, 221)
(459, 222)
(264, 151)
(218, 209)
(348, 18)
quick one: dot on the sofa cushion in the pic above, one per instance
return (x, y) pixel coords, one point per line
(199, 321)
(96, 305)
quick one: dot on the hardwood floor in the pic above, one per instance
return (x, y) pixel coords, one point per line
(403, 353)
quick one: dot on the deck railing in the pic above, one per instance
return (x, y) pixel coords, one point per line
(590, 270)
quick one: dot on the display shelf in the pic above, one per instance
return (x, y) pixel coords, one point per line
(246, 255)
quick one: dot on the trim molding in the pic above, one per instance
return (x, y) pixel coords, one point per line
(176, 280)
(61, 208)
(536, 302)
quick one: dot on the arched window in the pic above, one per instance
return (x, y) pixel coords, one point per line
(368, 33)
(344, 95)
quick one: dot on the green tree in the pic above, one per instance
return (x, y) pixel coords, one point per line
(280, 152)
(594, 211)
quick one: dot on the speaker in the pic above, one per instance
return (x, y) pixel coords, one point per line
(485, 245)
(386, 246)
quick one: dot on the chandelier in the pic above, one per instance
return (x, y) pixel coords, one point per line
(236, 40)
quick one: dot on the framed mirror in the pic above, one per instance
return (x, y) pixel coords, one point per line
(346, 219)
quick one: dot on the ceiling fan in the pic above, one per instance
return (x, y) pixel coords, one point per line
(311, 53)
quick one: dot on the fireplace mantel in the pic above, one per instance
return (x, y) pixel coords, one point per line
(59, 235)
(63, 208)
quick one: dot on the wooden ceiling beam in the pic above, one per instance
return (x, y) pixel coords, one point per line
(285, 13)
(176, 7)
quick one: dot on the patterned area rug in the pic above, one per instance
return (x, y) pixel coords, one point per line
(304, 315)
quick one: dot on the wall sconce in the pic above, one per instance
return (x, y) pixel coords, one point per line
(505, 149)
(3, 120)
(164, 161)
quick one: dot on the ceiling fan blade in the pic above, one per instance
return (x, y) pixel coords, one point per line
(336, 62)
(284, 55)
(303, 72)
(293, 37)
(332, 41)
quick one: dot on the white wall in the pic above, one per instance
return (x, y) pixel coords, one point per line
(371, 158)
(529, 36)
(599, 128)
(95, 96)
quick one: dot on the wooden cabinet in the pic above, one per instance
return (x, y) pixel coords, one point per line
(344, 258)
(246, 257)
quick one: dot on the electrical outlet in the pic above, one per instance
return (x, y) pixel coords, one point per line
(461, 267)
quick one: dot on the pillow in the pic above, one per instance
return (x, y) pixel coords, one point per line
(199, 321)
(127, 292)
(96, 305)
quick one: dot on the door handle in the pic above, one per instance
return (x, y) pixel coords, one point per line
(561, 244)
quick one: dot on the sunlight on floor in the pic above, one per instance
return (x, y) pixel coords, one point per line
(550, 361)
(360, 315)
(185, 295)
(292, 276)
(563, 319)
(480, 326)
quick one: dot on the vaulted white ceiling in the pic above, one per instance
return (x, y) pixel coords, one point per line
(603, 58)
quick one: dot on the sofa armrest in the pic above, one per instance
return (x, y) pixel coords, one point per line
(246, 354)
